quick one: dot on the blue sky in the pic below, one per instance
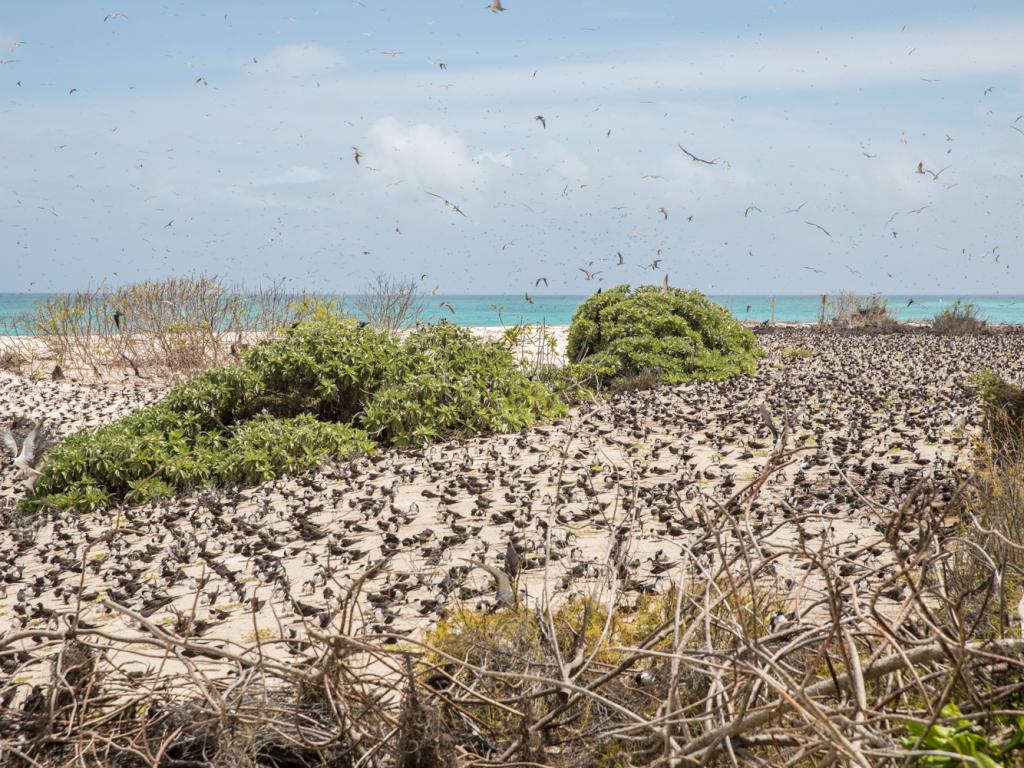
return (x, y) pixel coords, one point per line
(219, 137)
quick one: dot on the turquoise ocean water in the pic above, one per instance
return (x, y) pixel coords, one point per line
(494, 311)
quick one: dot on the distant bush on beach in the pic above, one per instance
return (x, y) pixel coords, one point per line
(848, 311)
(327, 389)
(673, 334)
(959, 319)
(179, 325)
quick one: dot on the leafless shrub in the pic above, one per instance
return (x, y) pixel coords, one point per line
(848, 311)
(390, 303)
(177, 326)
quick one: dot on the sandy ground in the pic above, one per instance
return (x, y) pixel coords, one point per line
(629, 481)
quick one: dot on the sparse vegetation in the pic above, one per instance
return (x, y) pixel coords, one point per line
(390, 303)
(961, 318)
(674, 334)
(178, 325)
(321, 391)
(848, 311)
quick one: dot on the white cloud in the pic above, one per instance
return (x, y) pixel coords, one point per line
(296, 174)
(422, 155)
(295, 60)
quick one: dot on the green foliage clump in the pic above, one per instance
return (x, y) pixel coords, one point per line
(961, 737)
(674, 334)
(1002, 406)
(318, 392)
(449, 383)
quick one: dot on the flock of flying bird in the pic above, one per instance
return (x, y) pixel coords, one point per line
(588, 272)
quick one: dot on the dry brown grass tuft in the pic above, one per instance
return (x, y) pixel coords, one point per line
(848, 311)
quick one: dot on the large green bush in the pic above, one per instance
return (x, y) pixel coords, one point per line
(450, 383)
(326, 389)
(674, 334)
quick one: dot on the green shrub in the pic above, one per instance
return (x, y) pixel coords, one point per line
(677, 335)
(960, 739)
(959, 319)
(449, 383)
(293, 403)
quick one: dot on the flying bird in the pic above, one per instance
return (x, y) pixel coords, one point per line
(496, 7)
(910, 301)
(819, 271)
(589, 275)
(622, 260)
(797, 209)
(118, 315)
(922, 170)
(527, 298)
(72, 92)
(24, 460)
(168, 223)
(113, 15)
(540, 119)
(664, 212)
(819, 227)
(201, 80)
(751, 208)
(447, 306)
(447, 203)
(656, 264)
(356, 154)
(541, 280)
(9, 61)
(694, 157)
(502, 584)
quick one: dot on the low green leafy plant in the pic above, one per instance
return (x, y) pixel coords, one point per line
(673, 334)
(961, 737)
(326, 389)
(449, 383)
